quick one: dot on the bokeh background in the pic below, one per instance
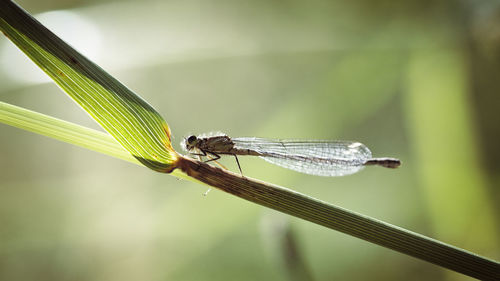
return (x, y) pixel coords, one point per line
(417, 80)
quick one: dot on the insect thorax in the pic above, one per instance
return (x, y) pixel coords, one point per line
(217, 144)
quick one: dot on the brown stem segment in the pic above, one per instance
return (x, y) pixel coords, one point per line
(348, 222)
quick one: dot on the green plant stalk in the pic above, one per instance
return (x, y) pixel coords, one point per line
(65, 66)
(63, 131)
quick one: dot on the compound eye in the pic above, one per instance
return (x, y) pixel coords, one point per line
(191, 139)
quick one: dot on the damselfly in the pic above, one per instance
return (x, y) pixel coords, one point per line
(315, 157)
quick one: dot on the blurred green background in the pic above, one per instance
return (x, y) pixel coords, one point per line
(417, 80)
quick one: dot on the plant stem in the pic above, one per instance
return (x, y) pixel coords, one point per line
(348, 222)
(63, 131)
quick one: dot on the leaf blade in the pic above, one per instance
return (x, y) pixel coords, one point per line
(135, 124)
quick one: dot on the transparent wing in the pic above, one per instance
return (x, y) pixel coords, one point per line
(322, 158)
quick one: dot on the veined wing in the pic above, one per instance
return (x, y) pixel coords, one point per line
(315, 157)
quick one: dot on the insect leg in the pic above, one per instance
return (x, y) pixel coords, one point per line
(203, 153)
(238, 162)
(217, 157)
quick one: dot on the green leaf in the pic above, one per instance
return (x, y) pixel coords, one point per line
(63, 131)
(128, 118)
